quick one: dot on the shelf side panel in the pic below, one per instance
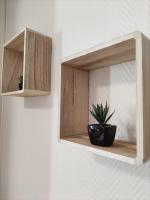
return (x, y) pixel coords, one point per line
(37, 61)
(146, 94)
(74, 101)
(12, 70)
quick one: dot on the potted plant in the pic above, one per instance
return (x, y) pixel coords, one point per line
(20, 84)
(101, 134)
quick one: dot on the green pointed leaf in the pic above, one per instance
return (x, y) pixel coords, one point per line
(102, 113)
(95, 110)
(109, 117)
(98, 108)
(95, 116)
(106, 109)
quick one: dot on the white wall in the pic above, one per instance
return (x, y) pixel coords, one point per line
(28, 124)
(35, 166)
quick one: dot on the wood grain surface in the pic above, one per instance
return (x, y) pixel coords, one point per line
(37, 61)
(12, 69)
(27, 54)
(119, 147)
(114, 54)
(74, 101)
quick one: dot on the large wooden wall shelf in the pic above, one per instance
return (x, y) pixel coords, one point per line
(74, 116)
(28, 55)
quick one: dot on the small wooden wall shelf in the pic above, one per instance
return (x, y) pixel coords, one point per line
(74, 115)
(29, 55)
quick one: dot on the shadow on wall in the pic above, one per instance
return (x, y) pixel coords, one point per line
(117, 85)
(142, 171)
(99, 88)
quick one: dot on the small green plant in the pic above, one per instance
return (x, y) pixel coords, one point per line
(100, 113)
(20, 79)
(20, 84)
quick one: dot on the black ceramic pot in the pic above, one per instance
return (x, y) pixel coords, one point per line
(20, 86)
(102, 136)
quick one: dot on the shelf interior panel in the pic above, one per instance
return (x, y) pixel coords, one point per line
(114, 54)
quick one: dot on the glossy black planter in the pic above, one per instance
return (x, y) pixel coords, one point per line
(20, 86)
(102, 136)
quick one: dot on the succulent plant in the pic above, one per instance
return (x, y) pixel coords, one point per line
(20, 84)
(100, 113)
(20, 79)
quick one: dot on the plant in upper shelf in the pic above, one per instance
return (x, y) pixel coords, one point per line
(20, 84)
(101, 134)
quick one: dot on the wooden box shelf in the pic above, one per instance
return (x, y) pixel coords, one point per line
(29, 55)
(74, 116)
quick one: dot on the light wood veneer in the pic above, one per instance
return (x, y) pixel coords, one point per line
(27, 54)
(75, 95)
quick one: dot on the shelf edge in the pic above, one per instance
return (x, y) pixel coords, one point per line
(104, 153)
